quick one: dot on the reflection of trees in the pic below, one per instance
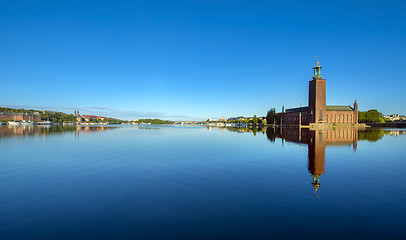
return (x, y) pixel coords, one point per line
(254, 130)
(372, 135)
(317, 140)
(59, 129)
(7, 131)
(271, 134)
(236, 129)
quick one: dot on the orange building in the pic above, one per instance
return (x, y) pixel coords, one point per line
(89, 118)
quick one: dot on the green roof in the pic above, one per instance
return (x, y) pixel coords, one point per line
(339, 108)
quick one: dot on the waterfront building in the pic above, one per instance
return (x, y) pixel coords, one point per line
(236, 118)
(210, 120)
(395, 117)
(79, 118)
(5, 116)
(317, 112)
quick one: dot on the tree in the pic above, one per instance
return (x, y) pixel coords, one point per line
(371, 116)
(255, 120)
(271, 116)
(260, 121)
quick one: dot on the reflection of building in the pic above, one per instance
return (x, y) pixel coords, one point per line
(317, 140)
(316, 157)
(43, 130)
(318, 112)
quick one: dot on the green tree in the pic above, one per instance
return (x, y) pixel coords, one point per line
(271, 116)
(255, 120)
(370, 116)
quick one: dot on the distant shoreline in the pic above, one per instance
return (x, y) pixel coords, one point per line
(388, 124)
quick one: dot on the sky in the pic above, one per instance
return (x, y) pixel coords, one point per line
(191, 60)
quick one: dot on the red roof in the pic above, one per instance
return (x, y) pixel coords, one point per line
(92, 116)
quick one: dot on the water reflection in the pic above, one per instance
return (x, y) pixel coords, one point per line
(43, 130)
(318, 140)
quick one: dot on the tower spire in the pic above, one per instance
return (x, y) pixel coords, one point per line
(317, 69)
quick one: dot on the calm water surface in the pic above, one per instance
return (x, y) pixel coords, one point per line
(172, 182)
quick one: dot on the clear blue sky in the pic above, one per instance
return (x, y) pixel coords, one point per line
(199, 59)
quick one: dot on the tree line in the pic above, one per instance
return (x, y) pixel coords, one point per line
(57, 117)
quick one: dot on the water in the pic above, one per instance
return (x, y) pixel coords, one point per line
(172, 182)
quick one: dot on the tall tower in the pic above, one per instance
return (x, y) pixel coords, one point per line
(317, 96)
(355, 112)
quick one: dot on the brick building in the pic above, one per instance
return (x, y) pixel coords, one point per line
(89, 118)
(19, 116)
(318, 112)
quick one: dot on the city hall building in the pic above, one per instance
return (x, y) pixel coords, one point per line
(318, 113)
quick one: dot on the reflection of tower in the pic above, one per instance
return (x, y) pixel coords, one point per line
(77, 131)
(355, 139)
(317, 140)
(317, 96)
(317, 156)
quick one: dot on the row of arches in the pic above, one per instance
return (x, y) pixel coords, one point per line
(347, 117)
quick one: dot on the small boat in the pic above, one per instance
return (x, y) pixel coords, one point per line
(45, 123)
(13, 123)
(25, 123)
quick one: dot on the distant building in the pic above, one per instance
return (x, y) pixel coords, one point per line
(236, 118)
(318, 112)
(88, 118)
(395, 117)
(210, 120)
(20, 116)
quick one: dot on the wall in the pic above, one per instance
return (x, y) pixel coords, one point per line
(342, 117)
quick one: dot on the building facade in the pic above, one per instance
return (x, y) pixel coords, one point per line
(20, 117)
(318, 112)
